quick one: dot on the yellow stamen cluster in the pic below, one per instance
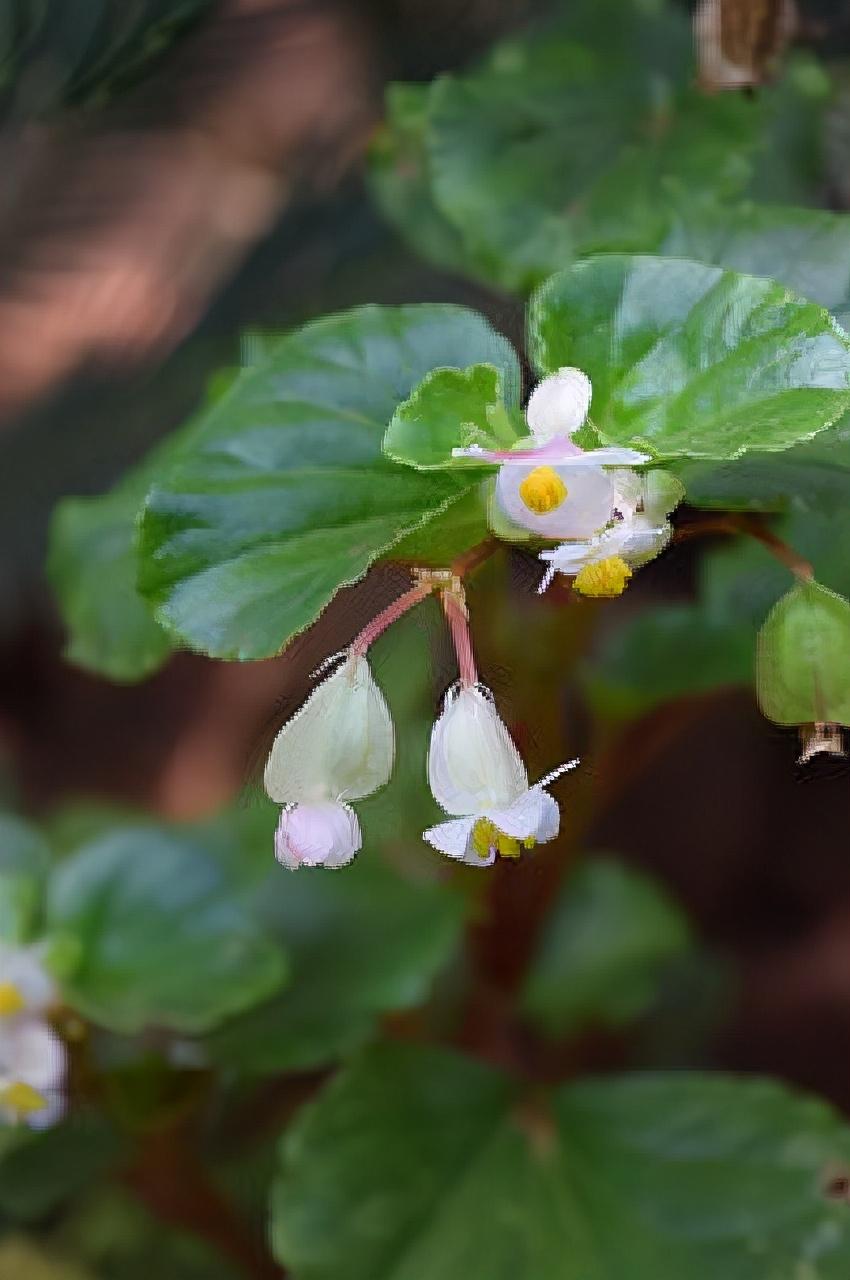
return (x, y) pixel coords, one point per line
(605, 578)
(486, 837)
(22, 1099)
(11, 1000)
(543, 490)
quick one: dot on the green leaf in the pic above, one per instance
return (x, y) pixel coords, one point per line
(807, 250)
(92, 569)
(24, 864)
(612, 934)
(283, 496)
(668, 652)
(688, 359)
(416, 1163)
(803, 668)
(400, 181)
(41, 1170)
(454, 408)
(164, 939)
(360, 944)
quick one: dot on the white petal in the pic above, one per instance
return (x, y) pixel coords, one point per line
(473, 763)
(339, 746)
(31, 1053)
(23, 968)
(588, 506)
(643, 540)
(534, 814)
(550, 819)
(571, 557)
(558, 405)
(451, 838)
(312, 835)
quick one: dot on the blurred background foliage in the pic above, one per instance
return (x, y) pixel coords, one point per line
(179, 175)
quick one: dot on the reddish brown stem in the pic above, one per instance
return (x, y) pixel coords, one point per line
(171, 1182)
(388, 616)
(459, 625)
(470, 560)
(753, 526)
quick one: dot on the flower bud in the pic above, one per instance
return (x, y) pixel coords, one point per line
(803, 658)
(559, 404)
(339, 746)
(312, 835)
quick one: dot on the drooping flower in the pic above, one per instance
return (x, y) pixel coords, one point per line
(603, 565)
(339, 747)
(32, 1072)
(548, 484)
(477, 776)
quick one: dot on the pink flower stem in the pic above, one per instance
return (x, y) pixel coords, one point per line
(388, 616)
(455, 612)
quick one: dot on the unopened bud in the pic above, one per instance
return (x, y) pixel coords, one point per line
(803, 661)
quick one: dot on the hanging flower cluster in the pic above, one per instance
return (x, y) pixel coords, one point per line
(340, 747)
(32, 1056)
(607, 517)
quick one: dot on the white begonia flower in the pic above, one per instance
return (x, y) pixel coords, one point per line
(25, 984)
(602, 566)
(339, 746)
(549, 485)
(477, 776)
(33, 1063)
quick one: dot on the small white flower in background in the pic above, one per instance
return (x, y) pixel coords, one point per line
(603, 565)
(32, 1072)
(32, 1057)
(477, 776)
(340, 746)
(548, 484)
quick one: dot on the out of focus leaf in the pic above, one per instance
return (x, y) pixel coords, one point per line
(611, 935)
(92, 567)
(164, 939)
(283, 495)
(417, 1163)
(668, 652)
(688, 359)
(24, 1259)
(400, 180)
(360, 944)
(42, 1170)
(24, 862)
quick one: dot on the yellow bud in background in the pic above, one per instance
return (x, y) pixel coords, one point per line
(22, 1098)
(11, 1000)
(543, 490)
(605, 578)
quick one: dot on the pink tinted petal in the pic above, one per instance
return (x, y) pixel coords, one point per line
(312, 835)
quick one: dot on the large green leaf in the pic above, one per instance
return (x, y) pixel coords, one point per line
(611, 936)
(808, 250)
(688, 359)
(416, 1163)
(360, 944)
(283, 495)
(41, 1170)
(163, 937)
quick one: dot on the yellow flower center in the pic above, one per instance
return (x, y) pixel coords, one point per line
(11, 1000)
(605, 578)
(22, 1098)
(486, 837)
(543, 490)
